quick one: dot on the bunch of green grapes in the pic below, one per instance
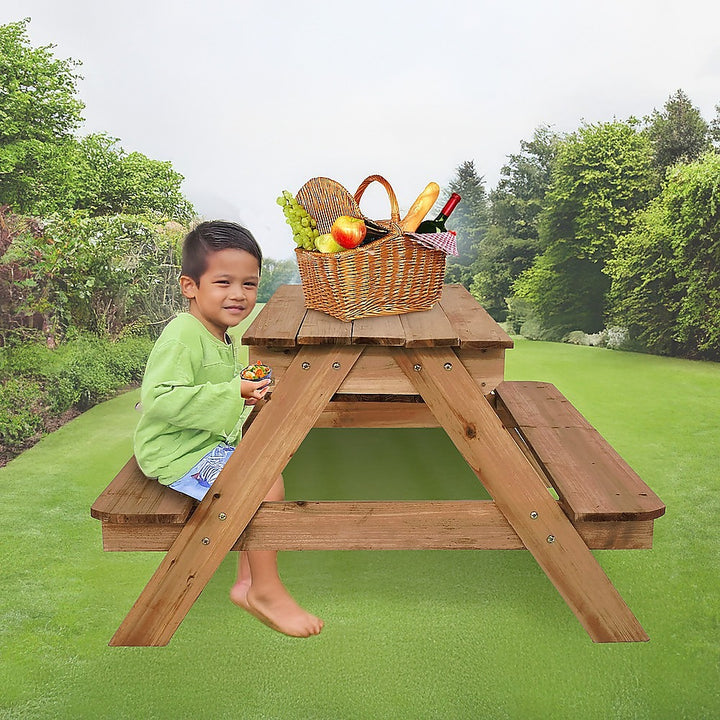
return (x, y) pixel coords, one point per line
(303, 226)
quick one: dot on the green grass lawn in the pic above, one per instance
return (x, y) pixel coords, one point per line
(417, 634)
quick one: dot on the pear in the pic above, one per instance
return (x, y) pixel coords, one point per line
(326, 244)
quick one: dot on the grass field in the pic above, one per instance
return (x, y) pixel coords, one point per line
(418, 634)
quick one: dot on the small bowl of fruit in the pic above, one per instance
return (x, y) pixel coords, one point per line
(257, 373)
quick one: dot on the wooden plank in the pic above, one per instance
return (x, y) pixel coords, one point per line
(486, 365)
(616, 534)
(133, 498)
(367, 414)
(382, 330)
(520, 442)
(376, 373)
(408, 525)
(539, 404)
(319, 328)
(379, 525)
(415, 525)
(591, 479)
(521, 495)
(376, 415)
(429, 328)
(278, 322)
(311, 380)
(470, 321)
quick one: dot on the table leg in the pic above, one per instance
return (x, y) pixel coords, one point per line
(303, 393)
(462, 409)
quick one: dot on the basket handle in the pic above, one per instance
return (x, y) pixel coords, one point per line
(394, 209)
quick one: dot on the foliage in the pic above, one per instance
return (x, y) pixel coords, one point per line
(715, 128)
(511, 242)
(110, 181)
(100, 274)
(44, 168)
(601, 177)
(13, 277)
(20, 410)
(274, 274)
(678, 133)
(666, 271)
(469, 220)
(501, 259)
(39, 383)
(38, 114)
(518, 198)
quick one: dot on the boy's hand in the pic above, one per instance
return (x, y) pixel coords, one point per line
(253, 391)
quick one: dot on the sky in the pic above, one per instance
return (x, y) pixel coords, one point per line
(247, 99)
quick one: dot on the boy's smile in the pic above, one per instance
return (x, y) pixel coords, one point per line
(227, 291)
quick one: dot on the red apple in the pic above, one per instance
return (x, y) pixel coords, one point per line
(348, 231)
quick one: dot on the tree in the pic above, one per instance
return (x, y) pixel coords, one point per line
(274, 274)
(645, 292)
(602, 176)
(511, 242)
(666, 271)
(518, 198)
(107, 180)
(678, 133)
(38, 114)
(715, 128)
(44, 168)
(469, 220)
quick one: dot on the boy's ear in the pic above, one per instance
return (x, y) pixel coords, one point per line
(188, 286)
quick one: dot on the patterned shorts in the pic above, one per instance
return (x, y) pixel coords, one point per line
(198, 480)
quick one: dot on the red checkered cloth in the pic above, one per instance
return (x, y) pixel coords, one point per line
(437, 241)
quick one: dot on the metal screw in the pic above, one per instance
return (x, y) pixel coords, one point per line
(448, 366)
(305, 365)
(551, 538)
(534, 515)
(417, 368)
(336, 366)
(222, 516)
(206, 541)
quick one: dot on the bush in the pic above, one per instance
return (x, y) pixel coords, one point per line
(39, 383)
(89, 274)
(613, 338)
(20, 410)
(91, 370)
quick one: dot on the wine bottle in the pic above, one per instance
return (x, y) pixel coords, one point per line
(438, 224)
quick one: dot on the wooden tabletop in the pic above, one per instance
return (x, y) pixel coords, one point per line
(457, 320)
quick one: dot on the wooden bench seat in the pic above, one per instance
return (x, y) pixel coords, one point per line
(604, 498)
(592, 481)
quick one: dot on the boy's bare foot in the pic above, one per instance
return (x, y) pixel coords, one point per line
(276, 609)
(238, 594)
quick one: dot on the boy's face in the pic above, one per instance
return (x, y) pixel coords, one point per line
(227, 291)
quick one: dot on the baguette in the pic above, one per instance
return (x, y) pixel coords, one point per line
(420, 208)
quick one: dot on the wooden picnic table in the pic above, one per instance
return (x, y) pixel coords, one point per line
(557, 487)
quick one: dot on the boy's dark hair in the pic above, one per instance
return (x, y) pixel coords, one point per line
(210, 237)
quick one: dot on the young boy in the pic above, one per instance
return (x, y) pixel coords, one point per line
(193, 400)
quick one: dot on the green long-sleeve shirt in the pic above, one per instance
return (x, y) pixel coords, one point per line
(190, 398)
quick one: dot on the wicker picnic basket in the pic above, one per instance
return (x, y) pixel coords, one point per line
(388, 276)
